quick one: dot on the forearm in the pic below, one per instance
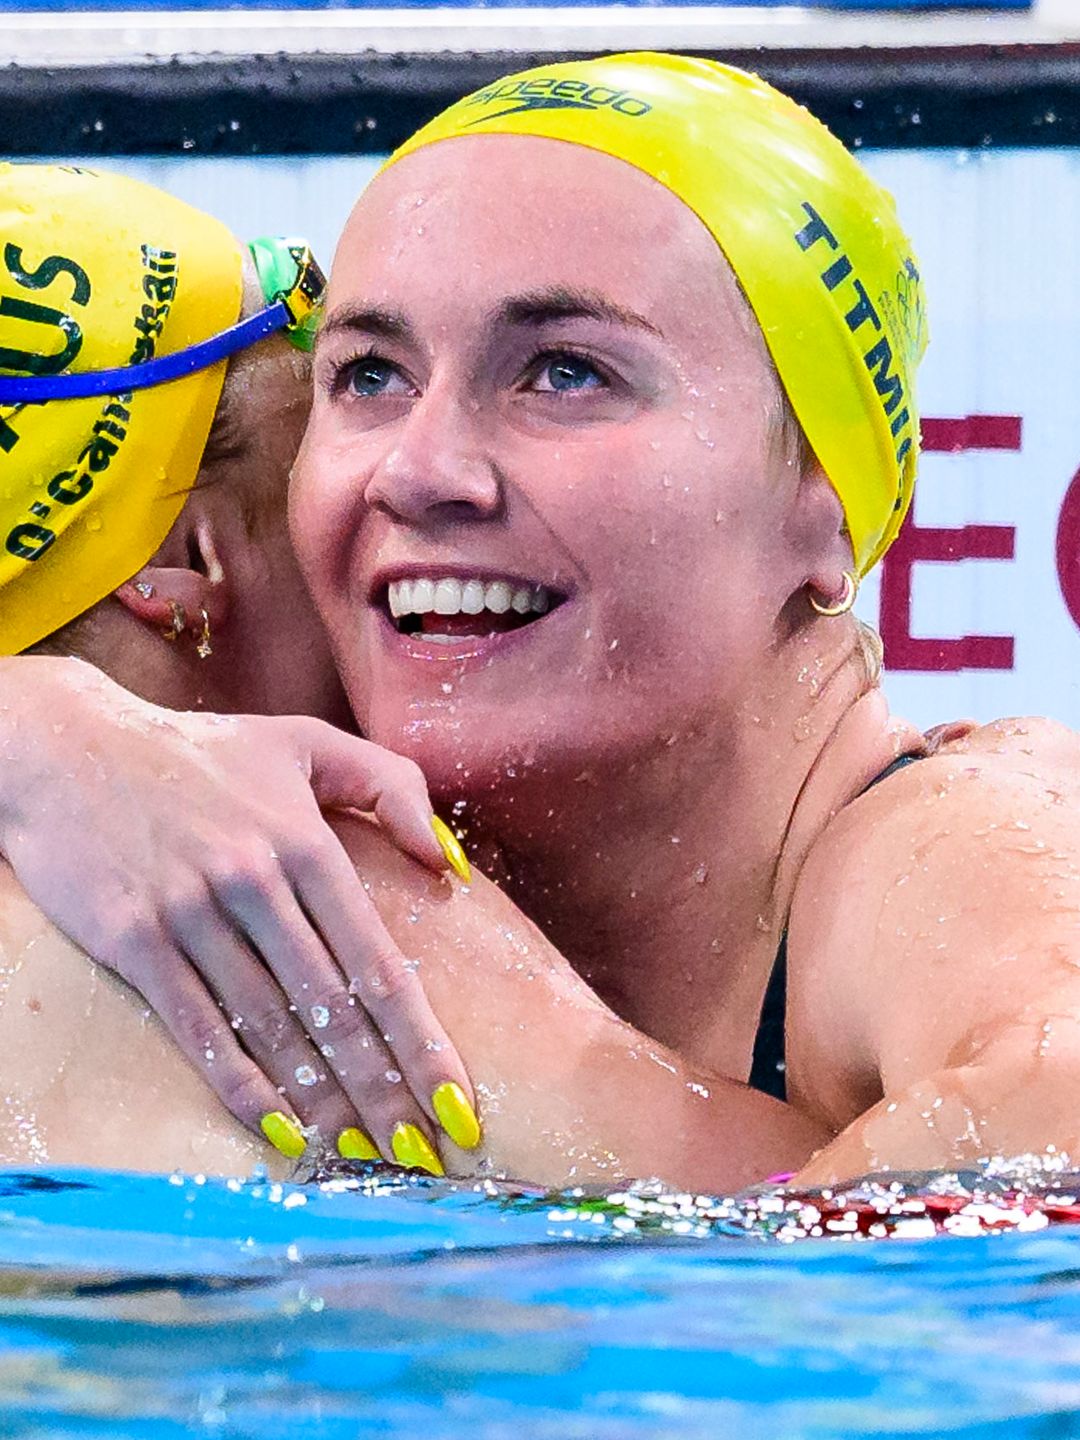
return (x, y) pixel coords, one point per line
(1022, 1104)
(568, 1094)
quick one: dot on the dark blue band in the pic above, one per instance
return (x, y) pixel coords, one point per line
(35, 389)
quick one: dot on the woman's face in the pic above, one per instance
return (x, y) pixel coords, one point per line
(279, 661)
(538, 382)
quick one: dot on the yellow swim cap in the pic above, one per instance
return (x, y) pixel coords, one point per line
(814, 241)
(99, 271)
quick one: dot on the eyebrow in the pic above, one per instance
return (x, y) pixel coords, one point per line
(530, 311)
(368, 320)
(557, 303)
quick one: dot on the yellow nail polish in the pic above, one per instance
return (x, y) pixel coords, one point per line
(284, 1134)
(411, 1148)
(451, 848)
(456, 1115)
(353, 1144)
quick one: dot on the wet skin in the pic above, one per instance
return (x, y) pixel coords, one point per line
(591, 406)
(514, 381)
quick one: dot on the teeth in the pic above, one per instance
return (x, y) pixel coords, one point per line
(497, 597)
(449, 596)
(401, 598)
(472, 597)
(423, 597)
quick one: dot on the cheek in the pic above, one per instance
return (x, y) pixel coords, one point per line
(323, 506)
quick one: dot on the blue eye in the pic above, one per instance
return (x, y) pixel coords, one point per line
(563, 373)
(369, 377)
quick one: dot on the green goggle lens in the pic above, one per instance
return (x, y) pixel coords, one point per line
(288, 272)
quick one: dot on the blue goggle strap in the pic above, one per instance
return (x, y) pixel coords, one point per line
(35, 389)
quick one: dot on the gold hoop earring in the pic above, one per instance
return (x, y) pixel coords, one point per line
(203, 648)
(178, 624)
(846, 601)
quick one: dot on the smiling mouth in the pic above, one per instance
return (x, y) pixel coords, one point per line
(446, 609)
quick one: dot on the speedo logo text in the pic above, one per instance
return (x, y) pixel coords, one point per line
(551, 93)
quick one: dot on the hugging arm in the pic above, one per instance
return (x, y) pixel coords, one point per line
(189, 854)
(568, 1093)
(955, 971)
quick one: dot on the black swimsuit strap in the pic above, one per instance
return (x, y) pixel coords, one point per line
(769, 1063)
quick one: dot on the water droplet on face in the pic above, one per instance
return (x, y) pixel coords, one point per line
(320, 1016)
(394, 1077)
(305, 1075)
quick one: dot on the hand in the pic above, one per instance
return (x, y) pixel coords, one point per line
(189, 853)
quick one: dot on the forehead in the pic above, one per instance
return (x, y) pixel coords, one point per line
(475, 218)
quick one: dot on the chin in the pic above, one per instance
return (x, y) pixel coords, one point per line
(481, 752)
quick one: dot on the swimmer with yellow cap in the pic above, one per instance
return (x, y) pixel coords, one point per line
(816, 244)
(119, 306)
(154, 384)
(602, 416)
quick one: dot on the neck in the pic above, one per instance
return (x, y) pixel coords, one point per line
(667, 883)
(138, 657)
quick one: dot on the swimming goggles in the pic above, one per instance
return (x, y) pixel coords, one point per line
(292, 285)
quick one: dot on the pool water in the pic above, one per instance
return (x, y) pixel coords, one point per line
(375, 1304)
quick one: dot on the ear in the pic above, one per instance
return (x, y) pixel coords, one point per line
(154, 594)
(821, 535)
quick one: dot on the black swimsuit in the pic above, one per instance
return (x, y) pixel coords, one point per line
(767, 1071)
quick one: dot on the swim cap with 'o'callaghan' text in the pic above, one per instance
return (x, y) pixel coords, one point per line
(815, 243)
(99, 271)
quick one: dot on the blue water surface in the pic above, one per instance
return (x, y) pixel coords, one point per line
(145, 1306)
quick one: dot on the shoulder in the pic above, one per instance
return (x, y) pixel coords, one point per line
(932, 901)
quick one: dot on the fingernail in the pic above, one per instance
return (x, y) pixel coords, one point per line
(284, 1134)
(451, 848)
(456, 1116)
(353, 1144)
(411, 1148)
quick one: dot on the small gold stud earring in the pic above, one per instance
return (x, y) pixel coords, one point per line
(178, 624)
(203, 648)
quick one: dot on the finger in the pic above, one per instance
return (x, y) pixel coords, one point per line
(348, 1042)
(391, 991)
(260, 1016)
(348, 771)
(203, 1035)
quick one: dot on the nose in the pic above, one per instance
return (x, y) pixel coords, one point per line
(439, 467)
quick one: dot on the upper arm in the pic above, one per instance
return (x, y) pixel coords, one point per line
(937, 930)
